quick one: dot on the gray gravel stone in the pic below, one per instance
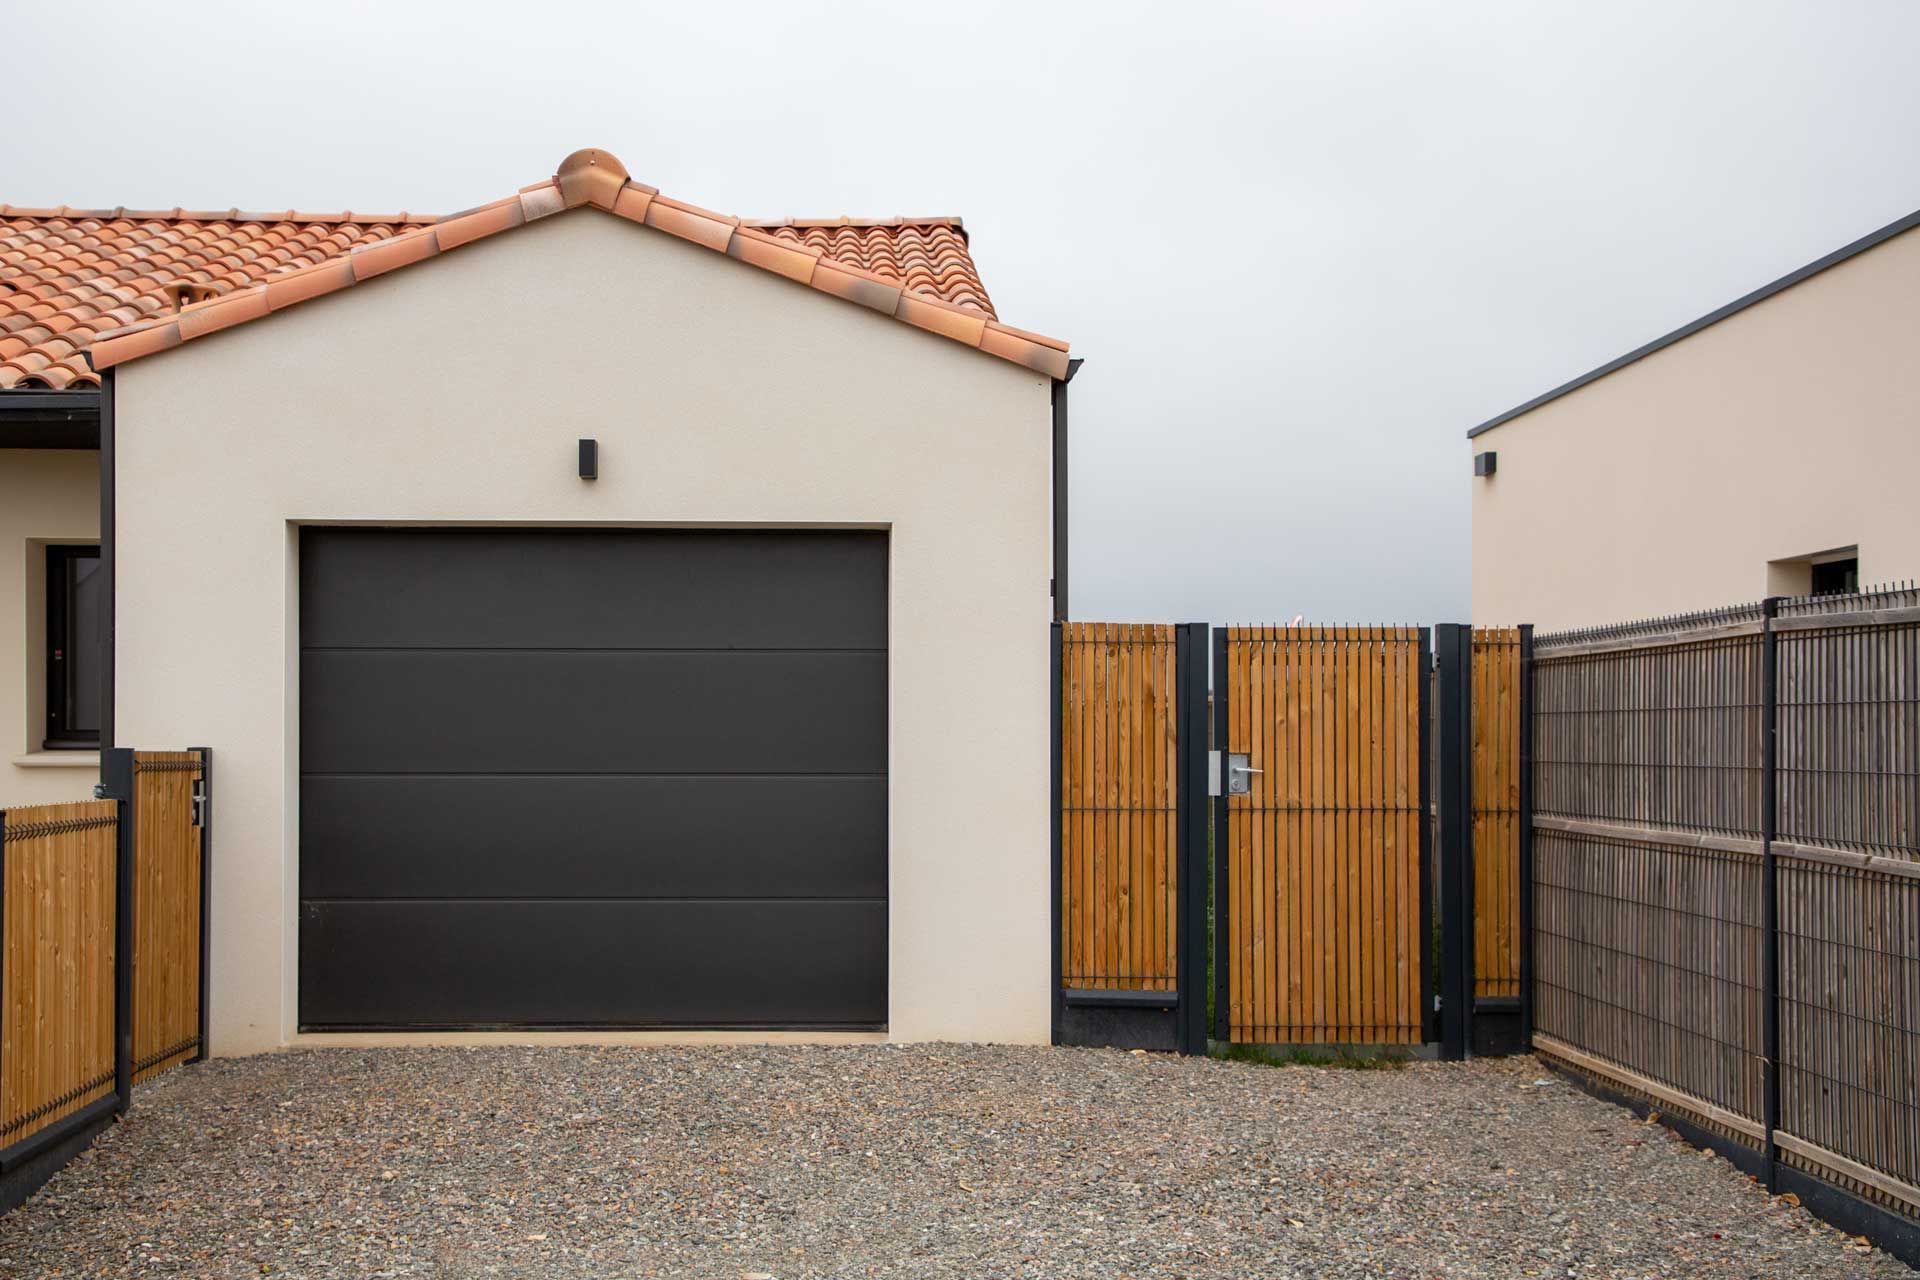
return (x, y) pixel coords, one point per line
(934, 1160)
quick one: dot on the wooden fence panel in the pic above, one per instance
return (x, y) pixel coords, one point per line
(57, 907)
(1496, 811)
(1323, 935)
(1119, 877)
(166, 914)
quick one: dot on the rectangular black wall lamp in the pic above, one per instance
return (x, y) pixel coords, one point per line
(1483, 463)
(589, 459)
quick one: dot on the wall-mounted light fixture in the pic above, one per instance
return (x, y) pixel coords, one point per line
(589, 459)
(1483, 463)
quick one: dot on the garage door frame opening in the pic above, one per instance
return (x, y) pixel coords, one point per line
(564, 777)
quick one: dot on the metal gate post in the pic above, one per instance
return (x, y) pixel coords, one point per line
(1526, 838)
(203, 815)
(1453, 645)
(1222, 902)
(1055, 996)
(116, 783)
(1190, 664)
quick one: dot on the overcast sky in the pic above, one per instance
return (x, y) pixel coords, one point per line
(1302, 247)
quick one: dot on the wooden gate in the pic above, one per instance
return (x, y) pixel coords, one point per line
(168, 899)
(1321, 865)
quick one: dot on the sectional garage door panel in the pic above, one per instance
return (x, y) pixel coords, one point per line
(592, 777)
(591, 588)
(624, 837)
(596, 963)
(605, 711)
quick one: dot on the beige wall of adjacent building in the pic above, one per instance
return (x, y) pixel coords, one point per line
(46, 496)
(1789, 429)
(453, 392)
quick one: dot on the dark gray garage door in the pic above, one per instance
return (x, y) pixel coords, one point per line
(592, 777)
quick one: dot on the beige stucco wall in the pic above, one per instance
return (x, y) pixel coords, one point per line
(454, 391)
(46, 496)
(1787, 429)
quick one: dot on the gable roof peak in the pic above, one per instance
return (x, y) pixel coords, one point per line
(591, 176)
(931, 286)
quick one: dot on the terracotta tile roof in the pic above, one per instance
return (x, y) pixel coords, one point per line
(96, 285)
(68, 275)
(928, 254)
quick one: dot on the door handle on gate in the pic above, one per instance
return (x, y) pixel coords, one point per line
(1238, 781)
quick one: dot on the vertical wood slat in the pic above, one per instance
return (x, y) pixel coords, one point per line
(56, 962)
(166, 950)
(1119, 877)
(1323, 855)
(1496, 811)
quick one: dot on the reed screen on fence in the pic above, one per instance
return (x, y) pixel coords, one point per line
(1651, 847)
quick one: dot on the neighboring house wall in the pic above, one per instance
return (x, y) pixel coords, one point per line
(46, 496)
(1785, 430)
(453, 391)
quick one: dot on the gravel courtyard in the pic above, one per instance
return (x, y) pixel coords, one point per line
(878, 1161)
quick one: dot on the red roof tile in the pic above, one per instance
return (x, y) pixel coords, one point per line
(126, 283)
(77, 273)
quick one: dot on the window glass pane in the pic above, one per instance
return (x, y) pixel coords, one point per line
(86, 611)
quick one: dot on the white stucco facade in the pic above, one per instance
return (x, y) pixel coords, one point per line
(47, 497)
(452, 392)
(1711, 471)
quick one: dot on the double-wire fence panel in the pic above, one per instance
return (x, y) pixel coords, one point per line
(1848, 850)
(1119, 870)
(1321, 912)
(1663, 808)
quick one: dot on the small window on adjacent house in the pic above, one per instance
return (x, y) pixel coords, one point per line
(1836, 577)
(76, 614)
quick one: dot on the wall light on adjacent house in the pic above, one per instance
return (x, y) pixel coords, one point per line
(1483, 463)
(589, 459)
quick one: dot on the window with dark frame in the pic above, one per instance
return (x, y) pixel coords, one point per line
(76, 612)
(1836, 577)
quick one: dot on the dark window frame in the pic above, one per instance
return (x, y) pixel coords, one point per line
(61, 735)
(1835, 577)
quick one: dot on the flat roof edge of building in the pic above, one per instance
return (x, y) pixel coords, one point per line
(1741, 303)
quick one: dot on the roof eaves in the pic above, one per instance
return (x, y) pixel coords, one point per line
(1739, 304)
(596, 178)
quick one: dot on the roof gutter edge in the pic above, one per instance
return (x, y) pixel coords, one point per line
(1765, 291)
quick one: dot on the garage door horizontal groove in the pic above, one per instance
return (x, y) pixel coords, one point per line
(608, 773)
(586, 648)
(611, 897)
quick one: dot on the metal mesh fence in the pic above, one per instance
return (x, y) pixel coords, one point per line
(1650, 848)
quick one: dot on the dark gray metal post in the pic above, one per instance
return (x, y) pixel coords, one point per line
(1526, 838)
(1055, 999)
(1769, 886)
(116, 783)
(204, 809)
(1190, 664)
(109, 557)
(1429, 980)
(1453, 644)
(1222, 972)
